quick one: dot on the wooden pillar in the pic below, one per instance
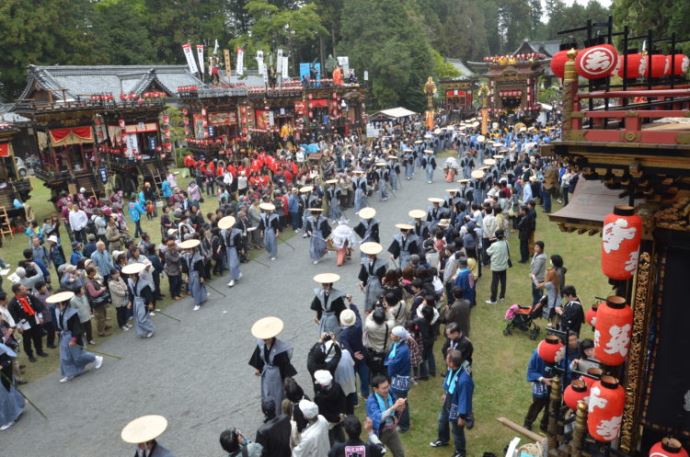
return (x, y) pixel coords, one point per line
(554, 410)
(579, 430)
(569, 92)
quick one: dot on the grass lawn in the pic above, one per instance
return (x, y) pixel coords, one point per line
(499, 361)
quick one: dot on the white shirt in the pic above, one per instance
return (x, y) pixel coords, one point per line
(490, 226)
(78, 220)
(314, 440)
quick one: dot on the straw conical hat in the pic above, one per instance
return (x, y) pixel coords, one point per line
(133, 268)
(59, 297)
(144, 429)
(266, 328)
(226, 222)
(477, 174)
(404, 226)
(444, 222)
(306, 189)
(315, 209)
(489, 162)
(435, 200)
(499, 157)
(428, 151)
(331, 181)
(367, 213)
(327, 278)
(417, 214)
(481, 139)
(189, 244)
(453, 191)
(267, 206)
(463, 181)
(371, 248)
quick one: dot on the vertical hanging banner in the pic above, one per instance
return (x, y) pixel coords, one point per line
(285, 67)
(189, 55)
(228, 66)
(200, 54)
(260, 62)
(239, 66)
(215, 48)
(279, 61)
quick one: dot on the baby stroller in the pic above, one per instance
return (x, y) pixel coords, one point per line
(522, 318)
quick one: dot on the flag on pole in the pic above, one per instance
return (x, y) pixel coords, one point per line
(200, 53)
(189, 55)
(240, 62)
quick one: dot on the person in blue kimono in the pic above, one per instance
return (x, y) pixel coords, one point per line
(456, 412)
(394, 171)
(404, 244)
(429, 165)
(371, 274)
(382, 173)
(308, 199)
(195, 271)
(541, 390)
(385, 410)
(328, 303)
(359, 185)
(232, 239)
(333, 200)
(420, 226)
(319, 230)
(399, 368)
(141, 298)
(11, 402)
(74, 360)
(408, 164)
(269, 224)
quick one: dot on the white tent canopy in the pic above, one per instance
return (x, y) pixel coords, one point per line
(395, 113)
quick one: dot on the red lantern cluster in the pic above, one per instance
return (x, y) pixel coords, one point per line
(659, 66)
(558, 63)
(548, 349)
(576, 391)
(593, 371)
(668, 447)
(620, 243)
(154, 94)
(680, 64)
(612, 331)
(106, 97)
(606, 403)
(596, 62)
(637, 65)
(510, 93)
(187, 89)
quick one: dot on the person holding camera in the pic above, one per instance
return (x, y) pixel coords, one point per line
(377, 327)
(500, 262)
(236, 445)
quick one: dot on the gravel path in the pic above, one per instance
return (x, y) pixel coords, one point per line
(196, 373)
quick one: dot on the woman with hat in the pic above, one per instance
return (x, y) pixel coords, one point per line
(11, 402)
(141, 293)
(143, 432)
(371, 274)
(232, 239)
(74, 360)
(271, 358)
(195, 271)
(269, 224)
(328, 303)
(404, 244)
(319, 230)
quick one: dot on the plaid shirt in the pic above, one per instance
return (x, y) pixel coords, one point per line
(415, 350)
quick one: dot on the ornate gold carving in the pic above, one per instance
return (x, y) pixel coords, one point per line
(636, 356)
(579, 431)
(630, 136)
(683, 138)
(676, 216)
(554, 408)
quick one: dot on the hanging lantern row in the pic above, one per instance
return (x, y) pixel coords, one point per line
(602, 60)
(620, 243)
(612, 331)
(154, 95)
(577, 390)
(187, 89)
(512, 59)
(102, 97)
(510, 93)
(605, 408)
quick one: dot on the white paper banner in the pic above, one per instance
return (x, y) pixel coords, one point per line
(239, 67)
(132, 145)
(260, 63)
(279, 61)
(189, 55)
(200, 53)
(285, 68)
(344, 62)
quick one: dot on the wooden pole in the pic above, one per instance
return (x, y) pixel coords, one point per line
(579, 433)
(569, 92)
(554, 409)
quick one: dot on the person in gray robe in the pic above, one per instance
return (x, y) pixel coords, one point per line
(404, 244)
(269, 224)
(319, 230)
(408, 164)
(371, 275)
(382, 177)
(271, 360)
(141, 297)
(195, 269)
(11, 402)
(333, 199)
(359, 184)
(74, 360)
(233, 245)
(328, 303)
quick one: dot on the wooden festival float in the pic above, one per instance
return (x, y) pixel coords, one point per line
(14, 182)
(102, 124)
(631, 144)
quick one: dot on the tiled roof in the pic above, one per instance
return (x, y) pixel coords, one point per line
(465, 72)
(81, 81)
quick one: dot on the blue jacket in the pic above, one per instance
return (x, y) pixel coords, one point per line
(351, 337)
(535, 370)
(374, 412)
(461, 400)
(75, 257)
(166, 189)
(135, 211)
(399, 367)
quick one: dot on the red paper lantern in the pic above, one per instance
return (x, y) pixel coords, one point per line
(620, 243)
(680, 65)
(606, 402)
(591, 314)
(658, 65)
(576, 391)
(597, 61)
(548, 348)
(612, 331)
(637, 65)
(593, 371)
(558, 63)
(668, 447)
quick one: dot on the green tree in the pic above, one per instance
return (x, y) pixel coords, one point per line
(514, 23)
(45, 33)
(123, 37)
(385, 38)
